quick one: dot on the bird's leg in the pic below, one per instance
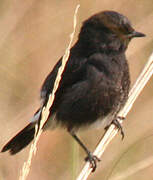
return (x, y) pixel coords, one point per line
(118, 125)
(90, 157)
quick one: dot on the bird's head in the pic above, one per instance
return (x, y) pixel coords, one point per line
(109, 29)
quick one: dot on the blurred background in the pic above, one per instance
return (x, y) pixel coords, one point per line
(33, 36)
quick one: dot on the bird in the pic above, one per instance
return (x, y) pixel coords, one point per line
(95, 82)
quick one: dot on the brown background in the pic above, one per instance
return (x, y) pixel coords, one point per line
(33, 36)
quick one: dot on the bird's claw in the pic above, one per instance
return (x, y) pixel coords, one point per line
(92, 160)
(118, 125)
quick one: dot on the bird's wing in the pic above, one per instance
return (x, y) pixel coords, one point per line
(73, 72)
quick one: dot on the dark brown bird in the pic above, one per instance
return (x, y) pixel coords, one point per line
(95, 83)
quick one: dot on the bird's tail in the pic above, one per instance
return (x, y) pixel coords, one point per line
(21, 140)
(24, 137)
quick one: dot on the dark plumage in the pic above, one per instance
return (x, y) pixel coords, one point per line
(95, 83)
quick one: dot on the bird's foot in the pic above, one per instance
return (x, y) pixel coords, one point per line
(92, 160)
(118, 125)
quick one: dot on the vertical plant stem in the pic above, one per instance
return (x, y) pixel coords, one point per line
(46, 109)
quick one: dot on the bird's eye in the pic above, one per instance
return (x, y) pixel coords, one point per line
(127, 28)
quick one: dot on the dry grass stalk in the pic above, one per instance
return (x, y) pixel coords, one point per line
(45, 111)
(112, 131)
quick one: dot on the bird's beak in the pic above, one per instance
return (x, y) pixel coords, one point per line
(136, 34)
